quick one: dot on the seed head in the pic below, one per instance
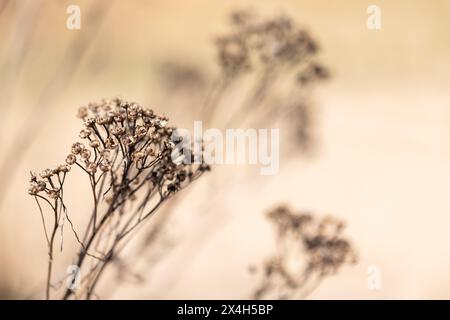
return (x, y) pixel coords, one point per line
(105, 166)
(118, 131)
(82, 112)
(71, 159)
(64, 168)
(33, 190)
(47, 173)
(53, 194)
(110, 143)
(91, 167)
(85, 133)
(94, 144)
(138, 156)
(41, 185)
(128, 140)
(77, 147)
(85, 154)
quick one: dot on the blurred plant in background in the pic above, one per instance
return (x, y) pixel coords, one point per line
(269, 65)
(308, 250)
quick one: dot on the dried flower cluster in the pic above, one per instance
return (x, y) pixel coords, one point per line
(126, 154)
(302, 236)
(273, 43)
(271, 51)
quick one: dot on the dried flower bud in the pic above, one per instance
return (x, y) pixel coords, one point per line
(132, 115)
(160, 123)
(33, 190)
(106, 154)
(53, 194)
(149, 113)
(181, 176)
(90, 122)
(128, 140)
(170, 176)
(71, 159)
(47, 173)
(85, 154)
(138, 155)
(172, 187)
(85, 133)
(41, 185)
(141, 131)
(91, 167)
(110, 143)
(94, 107)
(169, 144)
(64, 168)
(117, 131)
(82, 112)
(149, 151)
(33, 177)
(103, 120)
(94, 144)
(105, 166)
(124, 104)
(134, 107)
(77, 148)
(119, 117)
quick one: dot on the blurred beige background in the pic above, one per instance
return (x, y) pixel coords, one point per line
(383, 160)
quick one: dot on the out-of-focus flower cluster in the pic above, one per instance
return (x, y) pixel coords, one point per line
(319, 242)
(322, 239)
(275, 42)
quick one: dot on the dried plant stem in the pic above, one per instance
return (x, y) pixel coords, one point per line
(114, 251)
(50, 251)
(126, 230)
(84, 250)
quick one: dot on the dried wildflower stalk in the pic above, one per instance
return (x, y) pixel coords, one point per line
(269, 51)
(308, 250)
(127, 159)
(273, 49)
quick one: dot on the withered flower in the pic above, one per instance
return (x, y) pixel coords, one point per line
(130, 169)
